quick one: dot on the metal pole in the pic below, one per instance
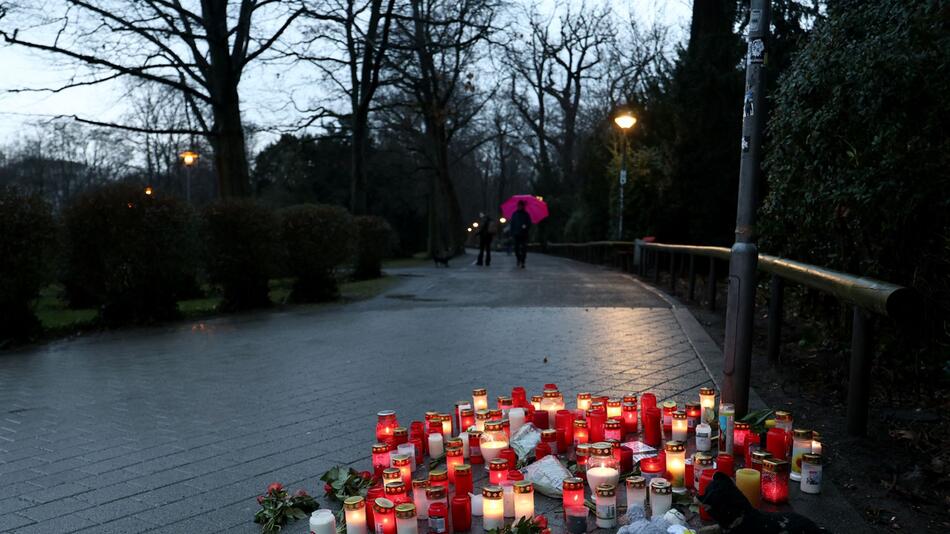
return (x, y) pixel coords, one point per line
(692, 278)
(859, 379)
(623, 181)
(740, 310)
(672, 273)
(776, 311)
(188, 184)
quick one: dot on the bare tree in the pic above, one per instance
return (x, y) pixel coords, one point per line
(201, 53)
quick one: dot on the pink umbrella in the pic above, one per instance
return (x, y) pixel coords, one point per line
(536, 208)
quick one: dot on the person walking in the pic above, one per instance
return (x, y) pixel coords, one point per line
(486, 231)
(520, 226)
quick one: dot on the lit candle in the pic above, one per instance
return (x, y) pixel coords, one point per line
(630, 423)
(550, 404)
(474, 447)
(435, 445)
(463, 436)
(391, 474)
(419, 487)
(580, 432)
(636, 492)
(384, 516)
(479, 399)
(482, 417)
(524, 499)
(323, 522)
(742, 435)
(402, 462)
(693, 414)
(676, 464)
(354, 510)
(435, 496)
(661, 497)
(651, 468)
(406, 522)
(497, 471)
(493, 440)
(504, 403)
(749, 483)
(668, 408)
(707, 402)
(614, 408)
(680, 426)
(385, 425)
(582, 453)
(380, 458)
(446, 425)
(396, 492)
(536, 401)
(775, 480)
(801, 443)
(466, 418)
(439, 478)
(612, 429)
(811, 473)
(516, 418)
(493, 507)
(408, 450)
(727, 418)
(602, 466)
(549, 436)
(583, 402)
(463, 479)
(453, 457)
(815, 443)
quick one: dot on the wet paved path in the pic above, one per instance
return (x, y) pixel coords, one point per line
(177, 429)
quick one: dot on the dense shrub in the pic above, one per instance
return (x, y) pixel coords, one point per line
(242, 251)
(374, 241)
(132, 254)
(27, 232)
(317, 238)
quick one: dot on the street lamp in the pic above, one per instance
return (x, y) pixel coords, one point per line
(474, 225)
(625, 120)
(148, 190)
(188, 159)
(503, 220)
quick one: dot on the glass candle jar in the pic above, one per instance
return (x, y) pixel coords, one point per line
(541, 450)
(580, 432)
(436, 494)
(524, 500)
(508, 488)
(647, 400)
(536, 401)
(354, 510)
(811, 473)
(693, 414)
(815, 442)
(668, 408)
(652, 426)
(400, 435)
(651, 468)
(801, 443)
(519, 396)
(596, 417)
(701, 462)
(727, 419)
(380, 458)
(614, 408)
(583, 402)
(493, 440)
(403, 463)
(436, 445)
(446, 419)
(497, 471)
(373, 493)
(409, 451)
(741, 436)
(481, 417)
(453, 458)
(439, 479)
(516, 418)
(636, 492)
(466, 418)
(726, 464)
(602, 466)
(775, 480)
(391, 474)
(322, 522)
(396, 492)
(758, 458)
(438, 518)
(749, 483)
(784, 421)
(631, 398)
(479, 399)
(419, 487)
(606, 504)
(385, 425)
(661, 497)
(572, 492)
(613, 429)
(384, 516)
(461, 513)
(707, 403)
(581, 454)
(493, 507)
(680, 426)
(475, 448)
(676, 464)
(564, 421)
(629, 418)
(406, 522)
(775, 443)
(550, 404)
(549, 436)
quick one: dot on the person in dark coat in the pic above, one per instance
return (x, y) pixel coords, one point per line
(520, 226)
(486, 231)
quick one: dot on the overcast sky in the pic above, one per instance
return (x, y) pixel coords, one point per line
(23, 68)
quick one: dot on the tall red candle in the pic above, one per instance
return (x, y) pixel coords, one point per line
(374, 492)
(541, 419)
(461, 513)
(651, 426)
(626, 460)
(704, 480)
(564, 419)
(542, 450)
(647, 400)
(463, 479)
(580, 432)
(595, 425)
(725, 464)
(509, 455)
(629, 418)
(775, 442)
(519, 396)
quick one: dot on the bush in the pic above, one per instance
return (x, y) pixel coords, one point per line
(243, 250)
(130, 253)
(27, 234)
(374, 241)
(317, 238)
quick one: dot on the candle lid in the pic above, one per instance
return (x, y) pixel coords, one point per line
(383, 505)
(536, 398)
(466, 412)
(379, 448)
(493, 426)
(630, 406)
(801, 433)
(482, 414)
(775, 466)
(434, 493)
(612, 424)
(669, 405)
(498, 464)
(573, 483)
(492, 492)
(524, 486)
(503, 399)
(474, 435)
(549, 434)
(406, 511)
(391, 472)
(742, 426)
(420, 483)
(811, 458)
(580, 423)
(707, 391)
(606, 490)
(454, 451)
(445, 416)
(394, 487)
(583, 396)
(679, 414)
(636, 482)
(761, 455)
(462, 468)
(438, 475)
(582, 449)
(601, 449)
(693, 405)
(453, 442)
(614, 403)
(478, 392)
(660, 486)
(630, 398)
(400, 431)
(550, 393)
(400, 459)
(674, 446)
(614, 443)
(701, 458)
(781, 415)
(354, 503)
(386, 413)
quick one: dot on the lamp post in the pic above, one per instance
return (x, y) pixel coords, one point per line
(625, 120)
(188, 159)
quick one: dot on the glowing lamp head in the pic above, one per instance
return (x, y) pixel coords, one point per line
(148, 190)
(503, 220)
(625, 120)
(189, 158)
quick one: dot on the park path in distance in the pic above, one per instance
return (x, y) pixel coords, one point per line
(178, 428)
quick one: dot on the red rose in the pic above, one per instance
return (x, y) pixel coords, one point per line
(327, 488)
(541, 522)
(260, 499)
(276, 487)
(301, 492)
(366, 475)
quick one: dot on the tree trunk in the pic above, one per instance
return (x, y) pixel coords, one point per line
(230, 150)
(445, 221)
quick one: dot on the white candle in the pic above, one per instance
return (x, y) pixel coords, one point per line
(446, 425)
(464, 437)
(602, 475)
(680, 426)
(491, 450)
(435, 445)
(407, 449)
(323, 522)
(419, 498)
(493, 507)
(355, 513)
(524, 500)
(476, 504)
(636, 492)
(516, 419)
(406, 522)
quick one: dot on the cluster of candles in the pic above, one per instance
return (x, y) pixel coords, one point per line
(591, 434)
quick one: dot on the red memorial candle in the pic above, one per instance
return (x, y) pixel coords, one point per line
(385, 425)
(775, 443)
(509, 455)
(541, 450)
(384, 516)
(725, 464)
(540, 419)
(453, 457)
(497, 471)
(463, 479)
(595, 424)
(694, 411)
(564, 421)
(626, 460)
(374, 492)
(519, 397)
(651, 426)
(704, 481)
(580, 432)
(647, 400)
(466, 419)
(651, 468)
(572, 492)
(380, 458)
(741, 435)
(629, 418)
(461, 513)
(775, 474)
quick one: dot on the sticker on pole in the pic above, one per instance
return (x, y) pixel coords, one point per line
(623, 176)
(757, 51)
(747, 104)
(755, 19)
(746, 143)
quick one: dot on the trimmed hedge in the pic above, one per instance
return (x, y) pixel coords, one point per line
(317, 239)
(26, 239)
(129, 253)
(242, 251)
(374, 241)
